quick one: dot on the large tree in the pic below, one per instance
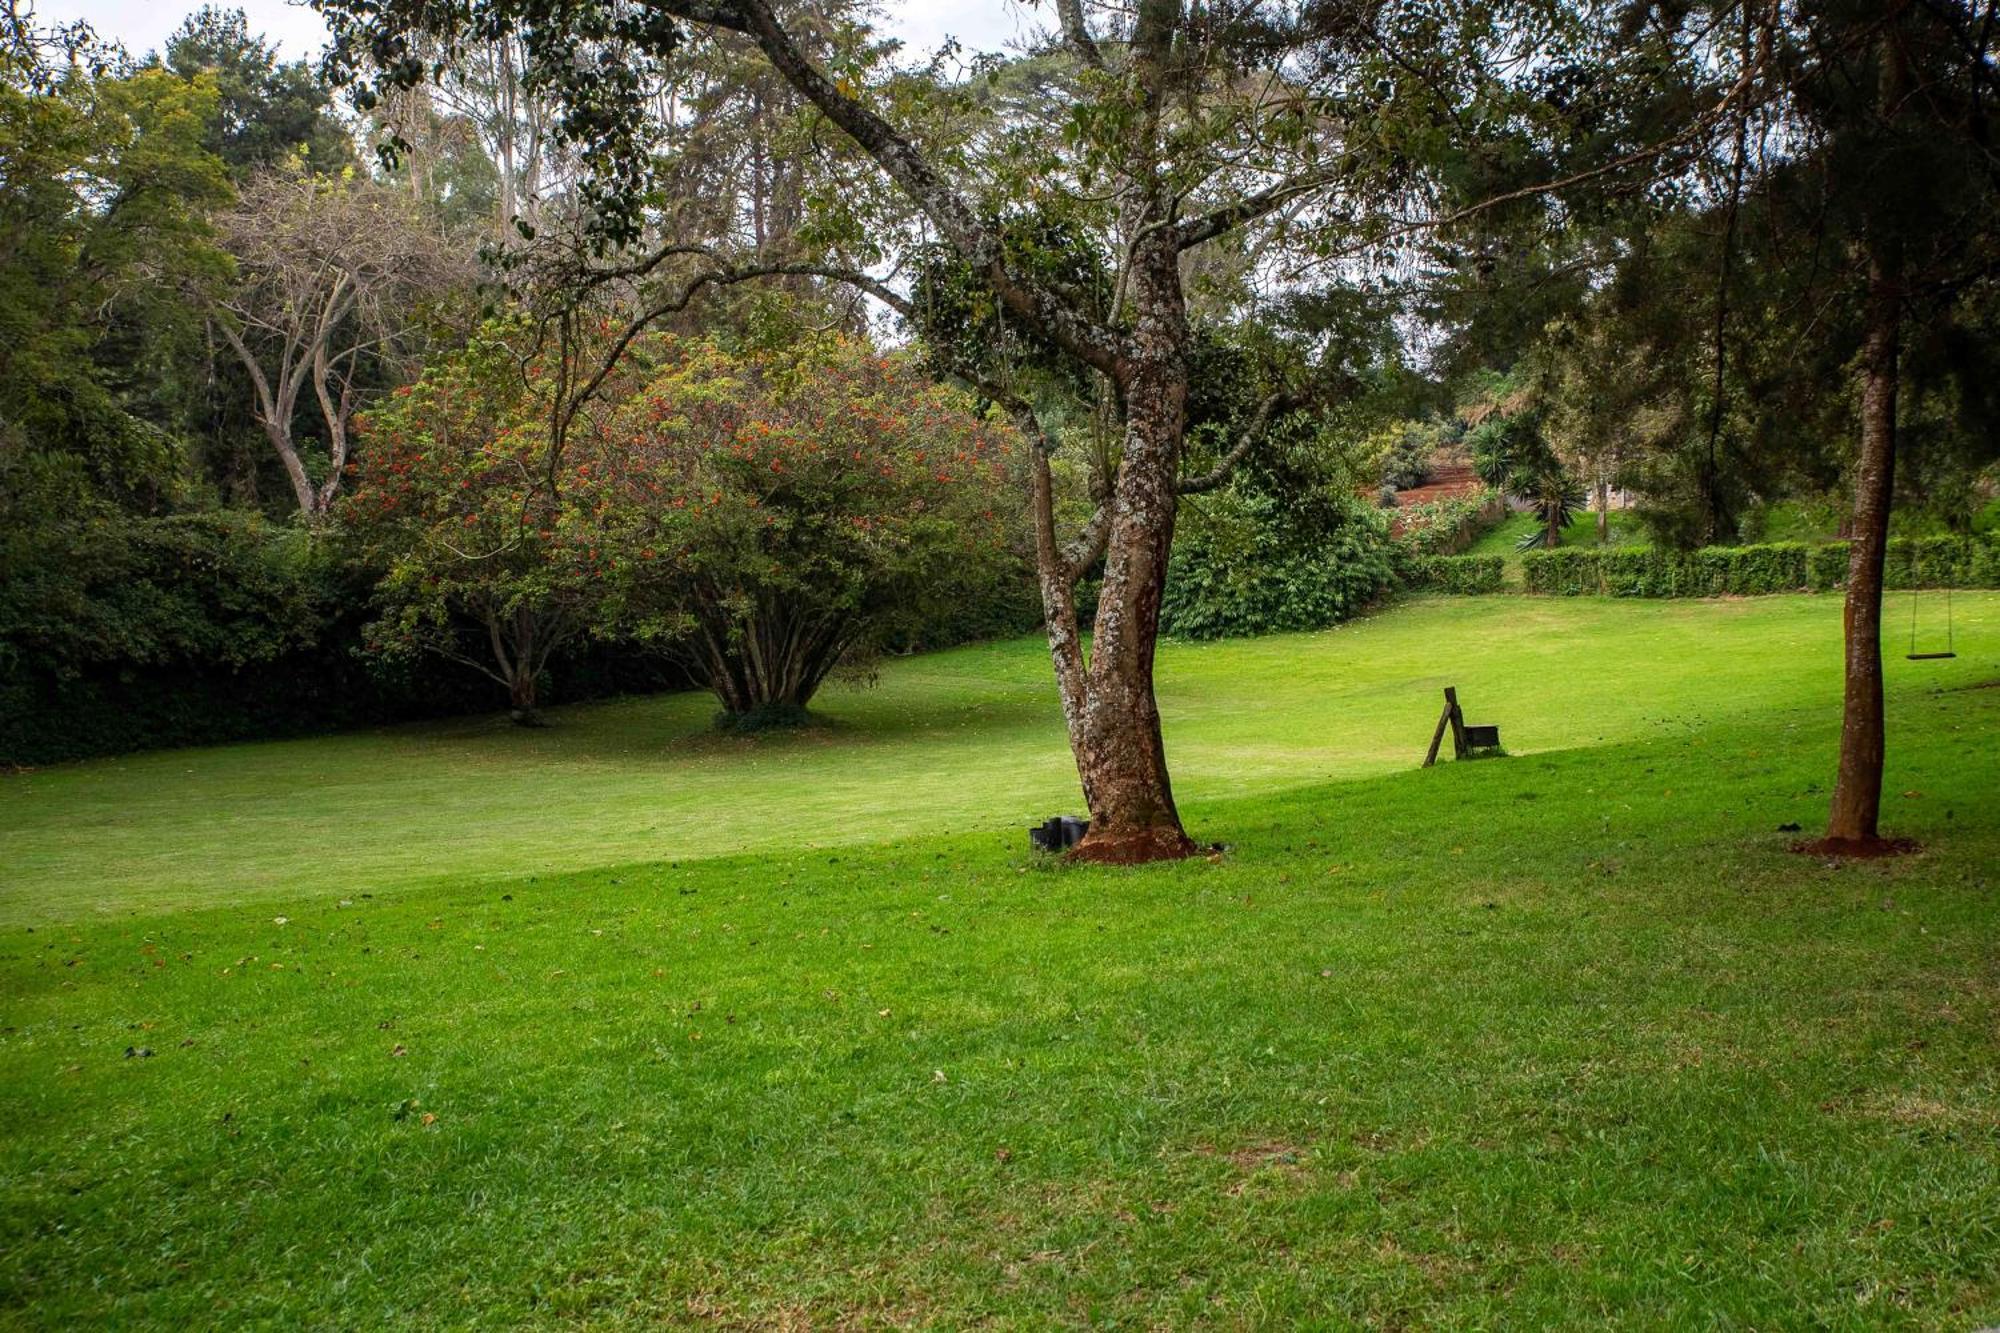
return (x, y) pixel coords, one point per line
(104, 186)
(266, 109)
(1898, 94)
(333, 276)
(1307, 137)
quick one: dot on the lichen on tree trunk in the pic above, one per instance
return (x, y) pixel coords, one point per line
(1108, 702)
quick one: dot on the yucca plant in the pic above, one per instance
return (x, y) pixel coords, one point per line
(1557, 497)
(1512, 453)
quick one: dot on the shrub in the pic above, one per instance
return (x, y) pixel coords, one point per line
(1956, 561)
(124, 634)
(1406, 458)
(1252, 566)
(148, 592)
(1464, 575)
(1826, 567)
(1748, 571)
(1446, 527)
(1568, 572)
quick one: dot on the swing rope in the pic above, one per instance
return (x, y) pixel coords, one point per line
(1950, 648)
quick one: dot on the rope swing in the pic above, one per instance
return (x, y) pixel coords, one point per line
(1913, 655)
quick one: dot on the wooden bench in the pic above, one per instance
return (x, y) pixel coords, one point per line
(1464, 739)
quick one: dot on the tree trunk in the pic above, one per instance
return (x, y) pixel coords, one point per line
(1113, 721)
(514, 654)
(765, 669)
(1853, 823)
(521, 698)
(1120, 754)
(1857, 790)
(507, 123)
(1603, 510)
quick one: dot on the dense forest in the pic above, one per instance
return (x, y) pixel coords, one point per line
(515, 354)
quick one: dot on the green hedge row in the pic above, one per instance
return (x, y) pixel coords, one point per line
(122, 633)
(1747, 571)
(1446, 527)
(1466, 575)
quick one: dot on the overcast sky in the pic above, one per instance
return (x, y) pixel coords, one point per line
(981, 25)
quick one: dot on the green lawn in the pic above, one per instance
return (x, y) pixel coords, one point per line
(959, 741)
(438, 1036)
(1504, 538)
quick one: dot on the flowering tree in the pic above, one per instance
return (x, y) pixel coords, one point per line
(818, 499)
(495, 551)
(763, 517)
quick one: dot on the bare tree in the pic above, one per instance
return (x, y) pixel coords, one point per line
(332, 275)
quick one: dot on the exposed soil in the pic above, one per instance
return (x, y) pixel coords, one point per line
(1448, 480)
(1133, 848)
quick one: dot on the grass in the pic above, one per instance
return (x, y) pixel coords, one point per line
(1567, 1038)
(954, 742)
(1504, 538)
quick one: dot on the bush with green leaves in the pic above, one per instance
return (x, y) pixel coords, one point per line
(1748, 571)
(1958, 560)
(1259, 563)
(1462, 575)
(1446, 527)
(221, 588)
(1406, 456)
(120, 632)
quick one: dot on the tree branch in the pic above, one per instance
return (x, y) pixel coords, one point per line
(1076, 34)
(980, 244)
(1252, 433)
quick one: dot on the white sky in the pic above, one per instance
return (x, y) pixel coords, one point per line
(980, 25)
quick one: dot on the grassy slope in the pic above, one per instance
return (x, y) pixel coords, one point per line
(956, 742)
(1562, 1039)
(1504, 538)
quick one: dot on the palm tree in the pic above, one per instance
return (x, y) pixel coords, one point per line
(1512, 452)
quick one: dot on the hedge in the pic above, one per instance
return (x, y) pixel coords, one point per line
(1467, 575)
(1259, 565)
(1747, 571)
(1446, 527)
(122, 633)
